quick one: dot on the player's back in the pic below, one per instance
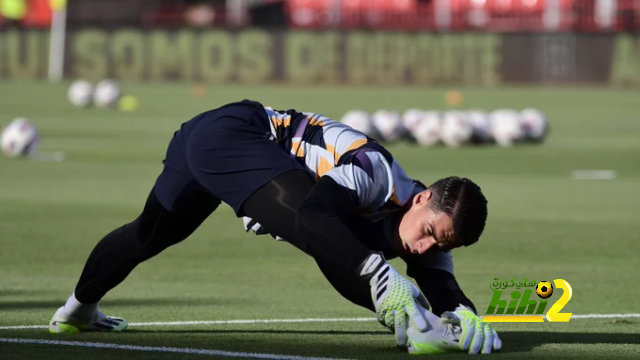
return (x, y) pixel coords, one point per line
(328, 147)
(317, 141)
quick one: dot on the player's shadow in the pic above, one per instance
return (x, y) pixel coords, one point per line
(266, 331)
(513, 341)
(522, 341)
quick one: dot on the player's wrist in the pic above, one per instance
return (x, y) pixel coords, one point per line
(371, 265)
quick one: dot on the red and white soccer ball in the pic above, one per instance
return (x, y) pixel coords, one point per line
(19, 138)
(360, 120)
(389, 125)
(456, 130)
(106, 94)
(505, 127)
(534, 125)
(427, 131)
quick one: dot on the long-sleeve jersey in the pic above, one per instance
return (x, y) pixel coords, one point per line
(368, 172)
(376, 187)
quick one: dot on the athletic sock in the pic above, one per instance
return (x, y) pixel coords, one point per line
(79, 311)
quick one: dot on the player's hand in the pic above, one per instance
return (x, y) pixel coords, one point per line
(476, 336)
(394, 298)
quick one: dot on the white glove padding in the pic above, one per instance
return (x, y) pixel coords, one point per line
(439, 338)
(394, 298)
(476, 336)
(252, 225)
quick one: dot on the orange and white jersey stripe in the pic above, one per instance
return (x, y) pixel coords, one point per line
(330, 148)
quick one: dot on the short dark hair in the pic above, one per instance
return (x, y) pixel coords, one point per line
(463, 200)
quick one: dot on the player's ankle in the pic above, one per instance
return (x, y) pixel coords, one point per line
(79, 311)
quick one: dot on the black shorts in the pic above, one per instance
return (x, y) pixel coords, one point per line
(227, 151)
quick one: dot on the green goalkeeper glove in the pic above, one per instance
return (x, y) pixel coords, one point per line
(394, 298)
(476, 336)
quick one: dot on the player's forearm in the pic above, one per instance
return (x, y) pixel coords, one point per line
(322, 222)
(441, 290)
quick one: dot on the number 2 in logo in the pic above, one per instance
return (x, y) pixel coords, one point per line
(554, 313)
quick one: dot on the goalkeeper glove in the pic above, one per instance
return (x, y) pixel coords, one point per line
(252, 225)
(394, 297)
(476, 336)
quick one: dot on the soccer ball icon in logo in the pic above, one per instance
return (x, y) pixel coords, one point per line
(544, 289)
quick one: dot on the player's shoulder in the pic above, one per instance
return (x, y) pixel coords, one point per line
(365, 151)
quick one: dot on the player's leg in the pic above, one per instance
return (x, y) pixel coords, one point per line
(275, 205)
(174, 209)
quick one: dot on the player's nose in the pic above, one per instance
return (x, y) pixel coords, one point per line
(426, 245)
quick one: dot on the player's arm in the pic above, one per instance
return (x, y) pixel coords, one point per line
(323, 222)
(434, 275)
(361, 180)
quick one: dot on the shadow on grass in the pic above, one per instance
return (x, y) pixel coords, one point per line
(513, 341)
(516, 341)
(252, 331)
(24, 292)
(105, 304)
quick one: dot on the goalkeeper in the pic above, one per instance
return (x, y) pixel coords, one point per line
(329, 190)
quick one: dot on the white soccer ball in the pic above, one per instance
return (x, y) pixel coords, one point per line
(481, 125)
(456, 130)
(360, 120)
(106, 94)
(19, 138)
(534, 125)
(81, 93)
(411, 119)
(505, 127)
(427, 132)
(388, 123)
(439, 338)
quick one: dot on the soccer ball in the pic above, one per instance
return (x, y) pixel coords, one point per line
(481, 127)
(427, 132)
(361, 121)
(439, 338)
(19, 138)
(411, 119)
(456, 130)
(81, 93)
(106, 94)
(534, 125)
(505, 127)
(544, 289)
(389, 125)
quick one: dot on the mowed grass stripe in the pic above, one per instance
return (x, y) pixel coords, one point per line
(160, 349)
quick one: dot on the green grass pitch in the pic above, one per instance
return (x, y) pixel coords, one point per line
(542, 225)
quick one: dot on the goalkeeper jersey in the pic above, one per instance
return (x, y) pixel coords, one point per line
(326, 147)
(330, 148)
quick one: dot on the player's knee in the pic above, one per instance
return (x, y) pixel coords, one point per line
(148, 236)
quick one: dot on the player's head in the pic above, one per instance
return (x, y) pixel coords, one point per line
(451, 213)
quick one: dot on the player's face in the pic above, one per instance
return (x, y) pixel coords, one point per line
(422, 229)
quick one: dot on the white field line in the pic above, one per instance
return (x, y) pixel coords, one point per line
(291, 321)
(160, 349)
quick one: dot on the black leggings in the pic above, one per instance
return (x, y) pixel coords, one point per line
(274, 206)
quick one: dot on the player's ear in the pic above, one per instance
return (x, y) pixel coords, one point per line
(422, 197)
